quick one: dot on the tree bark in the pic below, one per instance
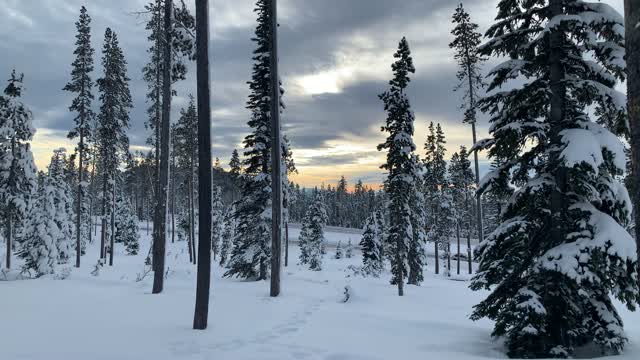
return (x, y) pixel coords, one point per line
(632, 19)
(80, 193)
(160, 235)
(9, 241)
(435, 245)
(203, 282)
(458, 240)
(173, 194)
(276, 159)
(113, 223)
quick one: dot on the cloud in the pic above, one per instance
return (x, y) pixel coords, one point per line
(335, 58)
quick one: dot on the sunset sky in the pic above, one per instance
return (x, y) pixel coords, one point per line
(335, 59)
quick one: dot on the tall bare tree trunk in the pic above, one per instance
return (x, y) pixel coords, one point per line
(160, 225)
(9, 241)
(632, 31)
(458, 253)
(276, 159)
(435, 246)
(173, 195)
(204, 166)
(113, 223)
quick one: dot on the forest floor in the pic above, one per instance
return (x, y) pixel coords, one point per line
(113, 316)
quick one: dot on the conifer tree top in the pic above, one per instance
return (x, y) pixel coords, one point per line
(402, 67)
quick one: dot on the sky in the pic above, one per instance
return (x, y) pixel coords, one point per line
(335, 58)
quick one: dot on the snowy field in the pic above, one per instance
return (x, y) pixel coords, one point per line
(114, 317)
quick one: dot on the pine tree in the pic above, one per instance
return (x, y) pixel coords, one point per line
(435, 191)
(59, 194)
(40, 236)
(348, 253)
(372, 245)
(314, 233)
(401, 181)
(251, 254)
(227, 236)
(416, 254)
(17, 169)
(461, 179)
(561, 251)
(338, 254)
(217, 221)
(113, 121)
(81, 84)
(234, 165)
(127, 231)
(466, 43)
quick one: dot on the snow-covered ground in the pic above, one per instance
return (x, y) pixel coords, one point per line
(114, 317)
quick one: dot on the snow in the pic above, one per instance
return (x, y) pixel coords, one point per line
(112, 316)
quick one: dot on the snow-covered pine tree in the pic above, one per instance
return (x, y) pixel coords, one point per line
(371, 245)
(338, 254)
(227, 236)
(217, 221)
(461, 179)
(561, 251)
(113, 121)
(183, 45)
(17, 168)
(81, 84)
(348, 252)
(400, 183)
(436, 193)
(126, 225)
(314, 233)
(466, 42)
(59, 193)
(416, 254)
(39, 235)
(251, 254)
(235, 166)
(303, 241)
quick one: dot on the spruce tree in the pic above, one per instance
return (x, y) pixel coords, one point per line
(372, 245)
(59, 194)
(401, 180)
(561, 251)
(338, 254)
(113, 121)
(348, 252)
(466, 43)
(303, 241)
(217, 221)
(81, 84)
(416, 254)
(251, 254)
(461, 178)
(40, 235)
(227, 236)
(127, 231)
(316, 221)
(17, 169)
(235, 165)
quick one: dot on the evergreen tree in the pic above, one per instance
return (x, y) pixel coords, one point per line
(561, 251)
(81, 84)
(40, 235)
(251, 254)
(401, 181)
(113, 121)
(59, 194)
(317, 219)
(303, 241)
(372, 245)
(435, 187)
(127, 231)
(17, 169)
(217, 221)
(227, 236)
(466, 43)
(235, 165)
(416, 254)
(461, 178)
(338, 254)
(348, 253)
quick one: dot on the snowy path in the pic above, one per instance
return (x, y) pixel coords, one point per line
(114, 317)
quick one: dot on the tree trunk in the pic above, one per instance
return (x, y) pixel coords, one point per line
(113, 224)
(286, 245)
(276, 158)
(103, 237)
(204, 166)
(632, 19)
(160, 236)
(9, 240)
(79, 205)
(469, 253)
(458, 241)
(173, 195)
(400, 279)
(435, 245)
